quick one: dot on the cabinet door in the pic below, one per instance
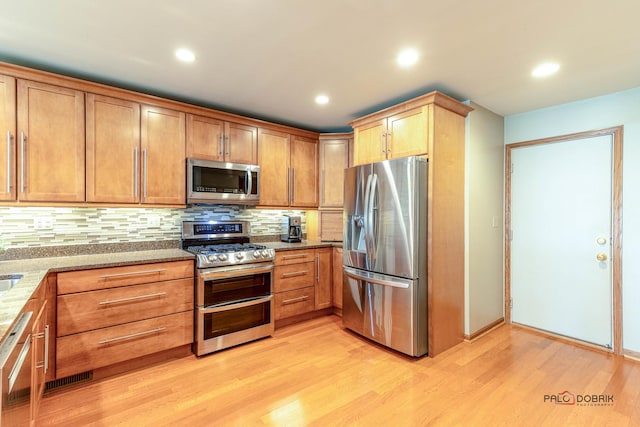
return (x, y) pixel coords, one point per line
(407, 133)
(205, 138)
(337, 277)
(8, 136)
(52, 143)
(334, 158)
(369, 143)
(273, 158)
(241, 143)
(39, 358)
(304, 172)
(323, 278)
(113, 150)
(163, 156)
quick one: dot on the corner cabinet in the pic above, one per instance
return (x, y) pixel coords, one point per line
(432, 125)
(51, 143)
(288, 169)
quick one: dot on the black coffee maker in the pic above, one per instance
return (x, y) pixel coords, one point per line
(291, 229)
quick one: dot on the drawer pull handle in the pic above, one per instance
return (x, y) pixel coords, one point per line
(126, 337)
(295, 256)
(295, 273)
(139, 297)
(133, 273)
(292, 300)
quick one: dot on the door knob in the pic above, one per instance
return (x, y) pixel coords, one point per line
(601, 257)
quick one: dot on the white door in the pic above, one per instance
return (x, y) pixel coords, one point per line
(561, 208)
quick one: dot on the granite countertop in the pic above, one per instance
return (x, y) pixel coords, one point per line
(305, 244)
(35, 270)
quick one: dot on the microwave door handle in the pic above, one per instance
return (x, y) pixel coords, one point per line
(247, 182)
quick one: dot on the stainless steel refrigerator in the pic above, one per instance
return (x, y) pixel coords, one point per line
(385, 253)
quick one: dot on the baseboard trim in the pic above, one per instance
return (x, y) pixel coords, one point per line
(631, 355)
(564, 338)
(485, 330)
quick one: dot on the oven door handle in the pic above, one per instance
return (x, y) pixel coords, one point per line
(234, 271)
(234, 306)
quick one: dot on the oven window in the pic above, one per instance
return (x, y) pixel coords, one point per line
(223, 291)
(236, 319)
(214, 180)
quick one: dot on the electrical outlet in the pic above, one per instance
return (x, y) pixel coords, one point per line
(153, 221)
(43, 223)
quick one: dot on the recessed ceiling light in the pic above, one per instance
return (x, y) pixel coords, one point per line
(407, 57)
(185, 55)
(322, 99)
(546, 69)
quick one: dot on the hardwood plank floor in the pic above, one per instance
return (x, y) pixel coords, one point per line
(318, 374)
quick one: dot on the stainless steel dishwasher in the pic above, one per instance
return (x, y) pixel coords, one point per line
(15, 373)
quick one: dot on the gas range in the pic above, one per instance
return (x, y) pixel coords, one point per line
(222, 243)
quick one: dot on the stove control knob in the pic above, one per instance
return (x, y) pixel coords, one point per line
(239, 255)
(212, 258)
(257, 254)
(265, 253)
(222, 257)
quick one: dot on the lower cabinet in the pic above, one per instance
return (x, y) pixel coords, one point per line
(302, 281)
(337, 280)
(110, 315)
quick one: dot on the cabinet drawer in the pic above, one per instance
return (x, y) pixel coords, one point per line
(85, 311)
(294, 257)
(294, 276)
(102, 278)
(294, 302)
(103, 347)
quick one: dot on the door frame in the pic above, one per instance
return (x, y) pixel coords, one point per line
(616, 222)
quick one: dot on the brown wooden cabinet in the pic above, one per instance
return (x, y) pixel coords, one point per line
(337, 279)
(213, 139)
(432, 125)
(51, 148)
(8, 136)
(288, 169)
(403, 133)
(110, 315)
(163, 156)
(40, 348)
(334, 159)
(113, 150)
(323, 288)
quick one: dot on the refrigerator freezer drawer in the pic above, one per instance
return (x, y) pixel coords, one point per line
(385, 309)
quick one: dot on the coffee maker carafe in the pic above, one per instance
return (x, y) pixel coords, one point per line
(291, 229)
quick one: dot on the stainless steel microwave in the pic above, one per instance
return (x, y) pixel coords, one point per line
(220, 182)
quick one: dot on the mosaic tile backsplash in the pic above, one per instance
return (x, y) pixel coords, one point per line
(34, 226)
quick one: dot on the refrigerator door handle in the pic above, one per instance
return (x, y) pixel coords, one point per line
(376, 280)
(372, 214)
(366, 217)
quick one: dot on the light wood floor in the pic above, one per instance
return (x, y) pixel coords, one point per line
(317, 373)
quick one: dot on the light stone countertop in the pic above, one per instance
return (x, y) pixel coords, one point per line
(36, 269)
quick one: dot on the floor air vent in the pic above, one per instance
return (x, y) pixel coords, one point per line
(69, 381)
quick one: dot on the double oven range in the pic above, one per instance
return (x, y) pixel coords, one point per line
(234, 299)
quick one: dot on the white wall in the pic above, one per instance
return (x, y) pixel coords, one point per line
(484, 290)
(622, 108)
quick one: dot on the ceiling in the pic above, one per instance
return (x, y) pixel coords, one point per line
(269, 58)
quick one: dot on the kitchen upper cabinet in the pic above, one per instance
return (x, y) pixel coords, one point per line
(113, 150)
(304, 171)
(273, 158)
(163, 156)
(288, 169)
(334, 159)
(8, 129)
(213, 139)
(401, 134)
(51, 163)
